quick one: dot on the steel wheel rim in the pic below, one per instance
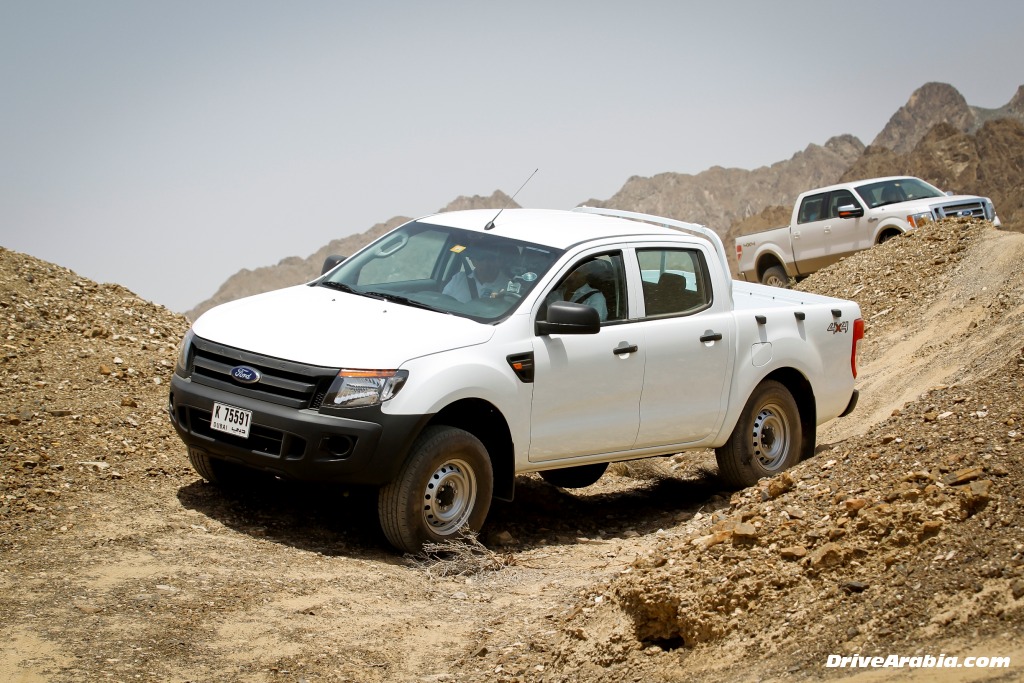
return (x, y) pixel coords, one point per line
(449, 496)
(776, 282)
(771, 436)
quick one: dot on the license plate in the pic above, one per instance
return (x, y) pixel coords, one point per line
(230, 419)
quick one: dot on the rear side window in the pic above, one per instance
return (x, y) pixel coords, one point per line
(675, 281)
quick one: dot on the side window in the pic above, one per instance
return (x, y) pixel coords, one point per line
(811, 209)
(675, 281)
(597, 282)
(839, 198)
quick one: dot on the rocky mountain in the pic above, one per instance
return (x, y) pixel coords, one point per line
(720, 197)
(936, 136)
(939, 103)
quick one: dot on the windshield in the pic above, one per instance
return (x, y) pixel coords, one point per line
(475, 275)
(896, 190)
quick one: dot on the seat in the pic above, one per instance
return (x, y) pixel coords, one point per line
(600, 275)
(892, 194)
(671, 295)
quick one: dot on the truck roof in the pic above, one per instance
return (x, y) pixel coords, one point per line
(854, 183)
(550, 227)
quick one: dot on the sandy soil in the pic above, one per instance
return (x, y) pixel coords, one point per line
(901, 536)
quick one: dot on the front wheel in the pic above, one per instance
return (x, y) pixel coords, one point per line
(766, 440)
(444, 486)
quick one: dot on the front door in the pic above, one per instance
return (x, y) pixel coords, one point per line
(586, 394)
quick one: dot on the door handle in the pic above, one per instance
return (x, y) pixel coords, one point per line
(710, 336)
(624, 348)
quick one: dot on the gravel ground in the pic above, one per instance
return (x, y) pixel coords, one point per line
(902, 535)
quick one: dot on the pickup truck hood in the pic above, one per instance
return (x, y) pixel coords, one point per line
(320, 326)
(952, 202)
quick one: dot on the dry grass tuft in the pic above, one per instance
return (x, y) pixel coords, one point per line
(462, 555)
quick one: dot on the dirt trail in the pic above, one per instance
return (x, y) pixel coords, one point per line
(118, 563)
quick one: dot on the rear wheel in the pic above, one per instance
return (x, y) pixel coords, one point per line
(775, 277)
(575, 477)
(766, 440)
(444, 487)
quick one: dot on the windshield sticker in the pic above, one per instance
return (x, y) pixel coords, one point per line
(528, 277)
(457, 249)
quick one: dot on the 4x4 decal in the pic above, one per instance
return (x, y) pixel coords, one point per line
(836, 328)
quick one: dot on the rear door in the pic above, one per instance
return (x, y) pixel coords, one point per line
(810, 248)
(687, 336)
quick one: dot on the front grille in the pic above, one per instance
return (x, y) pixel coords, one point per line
(283, 382)
(972, 208)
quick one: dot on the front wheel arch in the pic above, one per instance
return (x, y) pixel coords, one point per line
(887, 233)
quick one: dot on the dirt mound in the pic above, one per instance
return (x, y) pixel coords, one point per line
(902, 535)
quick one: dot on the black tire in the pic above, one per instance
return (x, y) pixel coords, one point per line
(444, 487)
(220, 472)
(888, 235)
(575, 477)
(775, 276)
(766, 440)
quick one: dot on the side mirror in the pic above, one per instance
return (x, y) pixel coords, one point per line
(566, 317)
(330, 262)
(851, 211)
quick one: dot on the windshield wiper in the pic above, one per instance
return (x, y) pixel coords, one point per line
(399, 299)
(342, 287)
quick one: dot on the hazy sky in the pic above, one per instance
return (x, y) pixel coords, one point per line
(166, 145)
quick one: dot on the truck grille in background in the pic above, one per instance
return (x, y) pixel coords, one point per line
(973, 208)
(283, 382)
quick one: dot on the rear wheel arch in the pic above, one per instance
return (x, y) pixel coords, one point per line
(803, 394)
(766, 261)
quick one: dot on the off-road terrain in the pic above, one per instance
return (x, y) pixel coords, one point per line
(902, 535)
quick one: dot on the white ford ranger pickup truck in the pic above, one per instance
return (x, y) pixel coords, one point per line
(465, 348)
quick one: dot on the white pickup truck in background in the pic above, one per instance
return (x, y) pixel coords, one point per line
(832, 222)
(464, 348)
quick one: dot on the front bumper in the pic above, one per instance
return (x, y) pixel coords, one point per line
(365, 446)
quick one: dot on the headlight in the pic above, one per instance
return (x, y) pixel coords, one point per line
(357, 388)
(181, 366)
(919, 219)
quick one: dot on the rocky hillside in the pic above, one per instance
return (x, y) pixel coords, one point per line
(902, 535)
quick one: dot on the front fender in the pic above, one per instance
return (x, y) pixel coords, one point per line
(438, 381)
(889, 224)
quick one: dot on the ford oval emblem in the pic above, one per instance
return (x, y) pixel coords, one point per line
(245, 374)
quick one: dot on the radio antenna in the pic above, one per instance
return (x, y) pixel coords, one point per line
(490, 223)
